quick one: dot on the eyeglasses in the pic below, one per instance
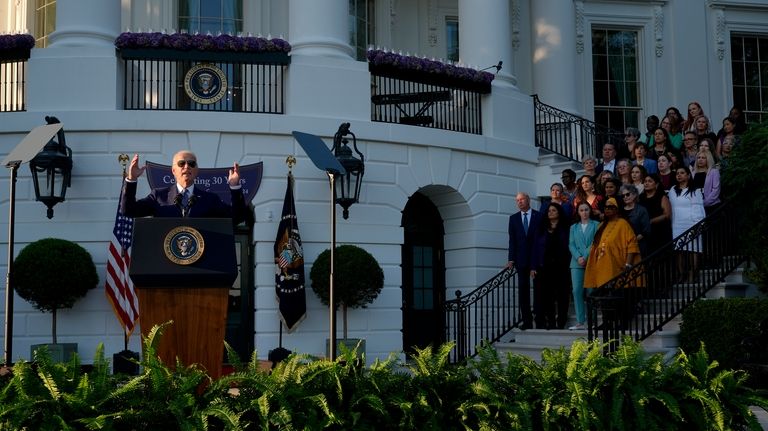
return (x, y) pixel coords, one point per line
(190, 163)
(627, 195)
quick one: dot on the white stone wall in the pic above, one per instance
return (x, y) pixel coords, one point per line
(472, 187)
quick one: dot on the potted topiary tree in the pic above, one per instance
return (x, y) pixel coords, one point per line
(53, 274)
(358, 278)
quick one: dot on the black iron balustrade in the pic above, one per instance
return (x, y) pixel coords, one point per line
(639, 301)
(154, 79)
(485, 314)
(419, 103)
(569, 135)
(13, 85)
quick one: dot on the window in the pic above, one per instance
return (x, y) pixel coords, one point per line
(214, 16)
(361, 27)
(615, 78)
(45, 21)
(749, 65)
(452, 38)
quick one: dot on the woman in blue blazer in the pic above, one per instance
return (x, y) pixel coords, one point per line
(579, 243)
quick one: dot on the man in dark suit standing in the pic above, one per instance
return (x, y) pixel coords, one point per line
(182, 199)
(522, 228)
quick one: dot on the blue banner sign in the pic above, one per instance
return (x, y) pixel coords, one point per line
(211, 179)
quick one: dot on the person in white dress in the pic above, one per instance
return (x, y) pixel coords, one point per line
(687, 204)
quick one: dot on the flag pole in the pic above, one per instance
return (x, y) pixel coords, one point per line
(290, 161)
(123, 160)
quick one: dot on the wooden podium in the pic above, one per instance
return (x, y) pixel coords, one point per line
(182, 269)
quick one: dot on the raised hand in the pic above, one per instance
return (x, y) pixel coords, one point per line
(134, 171)
(234, 176)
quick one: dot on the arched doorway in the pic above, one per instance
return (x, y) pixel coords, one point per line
(423, 269)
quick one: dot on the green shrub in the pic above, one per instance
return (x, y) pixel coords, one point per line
(721, 325)
(743, 174)
(576, 388)
(52, 274)
(358, 278)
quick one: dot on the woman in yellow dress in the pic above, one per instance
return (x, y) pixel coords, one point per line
(614, 248)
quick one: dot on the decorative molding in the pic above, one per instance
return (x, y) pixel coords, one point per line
(432, 23)
(579, 5)
(515, 12)
(658, 30)
(759, 5)
(720, 33)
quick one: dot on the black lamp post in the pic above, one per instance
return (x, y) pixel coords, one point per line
(55, 161)
(347, 189)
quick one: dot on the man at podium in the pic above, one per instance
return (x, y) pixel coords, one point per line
(182, 199)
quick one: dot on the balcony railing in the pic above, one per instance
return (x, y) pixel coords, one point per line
(415, 99)
(13, 72)
(639, 301)
(483, 315)
(569, 135)
(160, 79)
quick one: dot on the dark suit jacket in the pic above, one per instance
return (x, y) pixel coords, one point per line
(601, 167)
(520, 244)
(161, 203)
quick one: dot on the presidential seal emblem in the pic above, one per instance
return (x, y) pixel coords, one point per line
(184, 245)
(205, 83)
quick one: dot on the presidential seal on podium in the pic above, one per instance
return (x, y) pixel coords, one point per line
(184, 245)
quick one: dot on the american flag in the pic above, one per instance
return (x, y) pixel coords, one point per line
(119, 287)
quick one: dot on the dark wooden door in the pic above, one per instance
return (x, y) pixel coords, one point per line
(423, 270)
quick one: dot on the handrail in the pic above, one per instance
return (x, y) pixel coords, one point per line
(569, 135)
(642, 299)
(485, 314)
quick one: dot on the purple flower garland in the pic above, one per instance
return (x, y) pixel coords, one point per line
(201, 42)
(16, 42)
(379, 58)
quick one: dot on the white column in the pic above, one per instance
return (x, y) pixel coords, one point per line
(555, 72)
(86, 23)
(319, 28)
(485, 37)
(78, 71)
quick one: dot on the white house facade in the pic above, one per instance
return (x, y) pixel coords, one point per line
(612, 62)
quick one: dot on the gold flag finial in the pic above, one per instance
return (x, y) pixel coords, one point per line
(290, 161)
(123, 160)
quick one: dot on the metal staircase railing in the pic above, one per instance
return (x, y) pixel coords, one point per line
(569, 135)
(639, 301)
(485, 314)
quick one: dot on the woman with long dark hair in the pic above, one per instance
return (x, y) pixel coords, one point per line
(656, 202)
(549, 269)
(687, 204)
(665, 172)
(586, 192)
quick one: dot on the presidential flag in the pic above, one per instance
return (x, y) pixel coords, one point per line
(289, 265)
(118, 286)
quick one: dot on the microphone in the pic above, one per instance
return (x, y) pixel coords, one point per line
(177, 200)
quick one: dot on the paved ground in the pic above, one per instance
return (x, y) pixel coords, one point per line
(762, 416)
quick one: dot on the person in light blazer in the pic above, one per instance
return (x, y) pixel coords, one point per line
(579, 243)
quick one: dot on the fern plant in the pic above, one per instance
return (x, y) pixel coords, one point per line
(47, 395)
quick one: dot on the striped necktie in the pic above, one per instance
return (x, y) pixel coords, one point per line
(525, 222)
